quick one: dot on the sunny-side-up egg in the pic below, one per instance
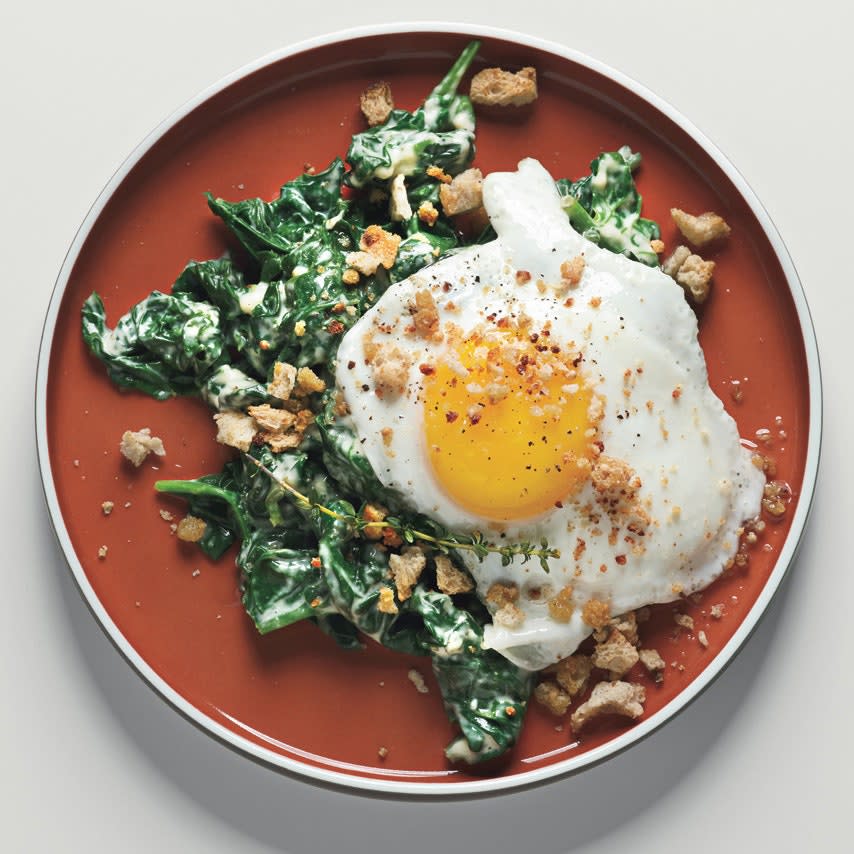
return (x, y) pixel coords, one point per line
(541, 387)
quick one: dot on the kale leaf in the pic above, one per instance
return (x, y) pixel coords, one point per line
(605, 206)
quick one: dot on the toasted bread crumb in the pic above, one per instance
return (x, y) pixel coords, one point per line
(427, 213)
(274, 420)
(107, 507)
(235, 429)
(136, 445)
(496, 87)
(653, 662)
(616, 655)
(425, 315)
(553, 697)
(596, 613)
(571, 271)
(390, 367)
(308, 382)
(572, 673)
(561, 606)
(386, 602)
(376, 103)
(610, 698)
(284, 377)
(449, 579)
(702, 229)
(684, 621)
(102, 552)
(463, 194)
(381, 243)
(191, 529)
(406, 569)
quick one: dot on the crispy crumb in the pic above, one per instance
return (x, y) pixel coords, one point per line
(351, 275)
(390, 367)
(717, 611)
(657, 246)
(561, 606)
(439, 174)
(308, 382)
(382, 752)
(684, 620)
(449, 579)
(571, 271)
(235, 429)
(500, 594)
(381, 243)
(417, 680)
(273, 420)
(496, 87)
(626, 624)
(102, 552)
(191, 529)
(136, 445)
(463, 194)
(616, 655)
(374, 513)
(386, 603)
(572, 673)
(610, 698)
(509, 616)
(553, 697)
(282, 384)
(376, 103)
(425, 315)
(166, 516)
(690, 271)
(406, 569)
(702, 229)
(596, 613)
(387, 434)
(107, 507)
(653, 662)
(427, 212)
(702, 639)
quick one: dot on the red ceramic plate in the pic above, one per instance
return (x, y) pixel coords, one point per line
(292, 698)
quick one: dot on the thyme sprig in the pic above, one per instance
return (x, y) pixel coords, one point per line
(444, 542)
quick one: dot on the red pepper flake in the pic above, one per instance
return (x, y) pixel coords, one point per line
(503, 322)
(350, 365)
(569, 302)
(446, 286)
(510, 711)
(264, 344)
(677, 392)
(522, 277)
(621, 559)
(474, 418)
(316, 602)
(451, 416)
(558, 504)
(315, 562)
(603, 568)
(336, 327)
(534, 337)
(426, 369)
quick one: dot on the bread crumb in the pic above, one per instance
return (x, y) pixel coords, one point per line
(496, 87)
(684, 620)
(552, 697)
(406, 569)
(596, 613)
(509, 616)
(449, 579)
(136, 445)
(417, 680)
(191, 529)
(425, 315)
(439, 174)
(572, 673)
(717, 611)
(616, 655)
(501, 594)
(386, 603)
(376, 103)
(166, 516)
(196, 573)
(463, 194)
(572, 271)
(381, 243)
(235, 429)
(653, 662)
(308, 382)
(561, 606)
(102, 552)
(284, 377)
(702, 639)
(610, 698)
(382, 752)
(107, 507)
(427, 213)
(702, 229)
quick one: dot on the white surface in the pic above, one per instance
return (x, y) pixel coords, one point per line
(92, 758)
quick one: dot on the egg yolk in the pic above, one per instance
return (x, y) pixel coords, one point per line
(507, 423)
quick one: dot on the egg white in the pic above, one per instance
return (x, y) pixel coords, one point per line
(698, 482)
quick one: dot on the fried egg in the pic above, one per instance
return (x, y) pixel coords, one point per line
(539, 387)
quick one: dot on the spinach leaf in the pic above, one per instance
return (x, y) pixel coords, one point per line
(605, 206)
(439, 133)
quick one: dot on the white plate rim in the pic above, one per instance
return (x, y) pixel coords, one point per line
(485, 786)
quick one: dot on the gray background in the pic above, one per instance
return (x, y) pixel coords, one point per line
(93, 760)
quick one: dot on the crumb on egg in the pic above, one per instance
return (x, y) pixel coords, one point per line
(191, 529)
(425, 316)
(596, 613)
(616, 655)
(561, 606)
(571, 272)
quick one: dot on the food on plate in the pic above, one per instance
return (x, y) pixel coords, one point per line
(489, 447)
